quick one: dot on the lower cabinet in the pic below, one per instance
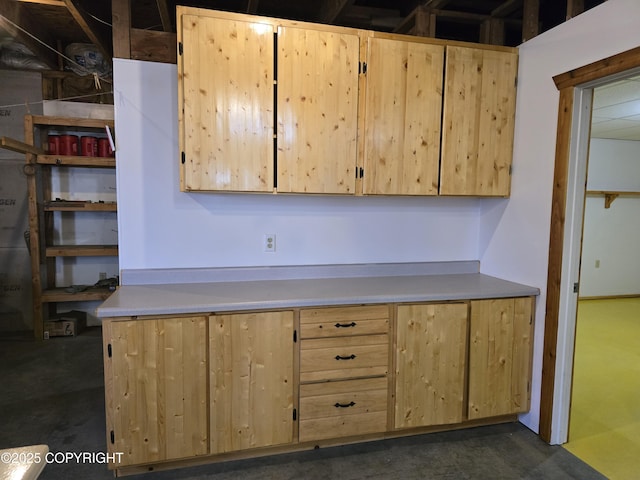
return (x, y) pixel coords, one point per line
(431, 351)
(500, 342)
(156, 389)
(180, 388)
(251, 380)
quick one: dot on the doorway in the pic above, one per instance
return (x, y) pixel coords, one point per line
(574, 120)
(604, 426)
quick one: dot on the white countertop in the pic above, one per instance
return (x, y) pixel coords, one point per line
(222, 296)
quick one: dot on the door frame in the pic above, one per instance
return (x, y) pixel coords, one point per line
(563, 267)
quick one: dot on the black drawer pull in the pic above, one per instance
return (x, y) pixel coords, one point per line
(345, 325)
(350, 357)
(344, 405)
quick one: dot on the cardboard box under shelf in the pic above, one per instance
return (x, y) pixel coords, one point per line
(67, 324)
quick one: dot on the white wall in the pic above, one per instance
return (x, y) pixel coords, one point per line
(612, 236)
(160, 227)
(514, 235)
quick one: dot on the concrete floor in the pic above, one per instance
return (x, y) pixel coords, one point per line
(52, 393)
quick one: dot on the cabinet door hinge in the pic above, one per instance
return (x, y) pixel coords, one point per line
(184, 158)
(295, 414)
(362, 67)
(510, 169)
(576, 287)
(179, 48)
(359, 172)
(109, 353)
(113, 437)
(295, 336)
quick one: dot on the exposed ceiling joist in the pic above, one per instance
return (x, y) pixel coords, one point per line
(165, 17)
(54, 3)
(507, 8)
(434, 4)
(252, 6)
(330, 10)
(91, 28)
(17, 22)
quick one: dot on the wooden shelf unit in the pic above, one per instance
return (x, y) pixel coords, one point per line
(42, 207)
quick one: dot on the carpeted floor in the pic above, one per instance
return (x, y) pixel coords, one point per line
(604, 428)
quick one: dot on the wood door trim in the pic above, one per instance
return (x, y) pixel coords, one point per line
(566, 84)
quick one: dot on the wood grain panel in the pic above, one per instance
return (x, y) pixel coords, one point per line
(317, 106)
(431, 347)
(403, 115)
(251, 378)
(343, 426)
(159, 389)
(478, 122)
(226, 76)
(499, 357)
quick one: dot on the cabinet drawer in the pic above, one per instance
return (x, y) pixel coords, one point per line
(347, 397)
(361, 408)
(344, 321)
(341, 358)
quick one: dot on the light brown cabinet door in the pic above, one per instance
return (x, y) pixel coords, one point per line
(317, 105)
(500, 357)
(478, 122)
(403, 115)
(226, 91)
(157, 396)
(431, 347)
(251, 380)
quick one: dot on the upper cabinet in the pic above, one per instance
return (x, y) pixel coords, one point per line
(478, 120)
(226, 92)
(269, 105)
(403, 103)
(317, 105)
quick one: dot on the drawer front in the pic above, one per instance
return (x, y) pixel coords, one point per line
(344, 321)
(348, 357)
(342, 426)
(349, 397)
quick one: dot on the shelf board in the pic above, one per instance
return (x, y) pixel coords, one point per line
(82, 251)
(80, 206)
(61, 295)
(76, 161)
(55, 121)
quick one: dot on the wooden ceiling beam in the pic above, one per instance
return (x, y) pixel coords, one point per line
(507, 8)
(436, 4)
(252, 6)
(15, 19)
(121, 21)
(53, 3)
(165, 16)
(91, 28)
(530, 19)
(331, 10)
(574, 8)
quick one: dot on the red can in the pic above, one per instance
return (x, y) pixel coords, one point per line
(89, 146)
(54, 145)
(68, 145)
(104, 148)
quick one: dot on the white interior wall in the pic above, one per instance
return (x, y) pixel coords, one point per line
(161, 227)
(514, 234)
(611, 236)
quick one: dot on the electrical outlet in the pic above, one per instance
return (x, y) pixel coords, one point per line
(270, 242)
(102, 276)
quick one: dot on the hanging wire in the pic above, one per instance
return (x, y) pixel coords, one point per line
(57, 99)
